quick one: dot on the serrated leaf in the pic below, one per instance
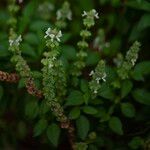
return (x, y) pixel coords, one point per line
(128, 110)
(142, 96)
(53, 134)
(126, 88)
(83, 127)
(75, 98)
(89, 110)
(116, 125)
(40, 127)
(74, 113)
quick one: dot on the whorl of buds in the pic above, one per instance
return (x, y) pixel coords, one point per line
(98, 75)
(12, 77)
(31, 88)
(89, 18)
(129, 62)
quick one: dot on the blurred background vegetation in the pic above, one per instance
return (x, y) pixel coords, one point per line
(121, 23)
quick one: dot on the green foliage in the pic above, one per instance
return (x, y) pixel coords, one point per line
(53, 133)
(40, 127)
(83, 127)
(83, 77)
(128, 110)
(116, 125)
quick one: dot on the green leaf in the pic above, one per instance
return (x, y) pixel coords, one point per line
(28, 50)
(39, 25)
(142, 96)
(21, 83)
(31, 109)
(69, 52)
(40, 127)
(83, 127)
(89, 110)
(75, 98)
(126, 88)
(92, 58)
(116, 125)
(28, 11)
(141, 69)
(106, 91)
(44, 108)
(144, 22)
(142, 5)
(53, 134)
(136, 143)
(31, 38)
(74, 113)
(84, 86)
(128, 110)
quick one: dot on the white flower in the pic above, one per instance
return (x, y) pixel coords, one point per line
(92, 13)
(58, 36)
(103, 78)
(54, 58)
(84, 14)
(16, 41)
(69, 15)
(53, 34)
(50, 65)
(133, 61)
(60, 15)
(97, 80)
(91, 73)
(95, 13)
(95, 91)
(11, 42)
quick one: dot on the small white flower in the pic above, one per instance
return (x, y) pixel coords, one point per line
(133, 61)
(95, 13)
(97, 80)
(54, 58)
(50, 65)
(53, 34)
(48, 32)
(91, 73)
(69, 15)
(16, 41)
(92, 13)
(59, 14)
(58, 36)
(84, 14)
(95, 91)
(103, 78)
(11, 42)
